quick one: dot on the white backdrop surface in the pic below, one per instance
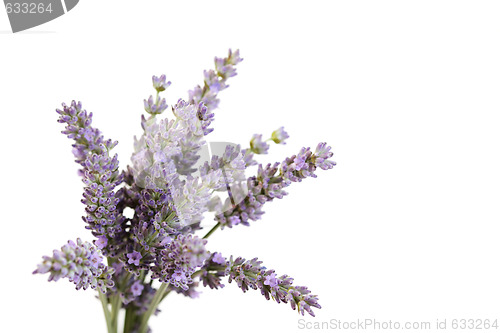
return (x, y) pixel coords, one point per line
(404, 228)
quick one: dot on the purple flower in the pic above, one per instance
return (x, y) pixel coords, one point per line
(215, 81)
(81, 263)
(250, 274)
(219, 259)
(101, 176)
(95, 259)
(270, 183)
(279, 136)
(271, 280)
(225, 66)
(153, 227)
(322, 155)
(136, 288)
(177, 275)
(154, 107)
(101, 242)
(88, 140)
(303, 165)
(257, 145)
(233, 220)
(214, 269)
(159, 83)
(300, 162)
(206, 117)
(142, 301)
(179, 260)
(131, 286)
(134, 258)
(234, 58)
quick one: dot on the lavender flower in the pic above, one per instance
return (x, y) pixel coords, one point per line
(160, 84)
(215, 268)
(136, 288)
(179, 260)
(258, 146)
(218, 259)
(81, 263)
(322, 155)
(206, 117)
(303, 165)
(141, 302)
(279, 136)
(152, 160)
(191, 198)
(194, 120)
(161, 215)
(155, 209)
(101, 176)
(134, 258)
(101, 242)
(250, 274)
(137, 306)
(169, 148)
(215, 81)
(154, 222)
(225, 66)
(133, 290)
(88, 140)
(155, 106)
(269, 184)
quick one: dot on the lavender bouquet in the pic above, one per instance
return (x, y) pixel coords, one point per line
(170, 189)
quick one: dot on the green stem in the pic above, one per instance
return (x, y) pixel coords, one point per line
(152, 307)
(104, 302)
(215, 227)
(129, 320)
(115, 310)
(165, 295)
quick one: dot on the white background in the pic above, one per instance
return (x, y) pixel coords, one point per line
(404, 228)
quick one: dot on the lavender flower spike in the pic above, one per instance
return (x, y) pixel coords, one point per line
(215, 81)
(101, 176)
(81, 263)
(270, 182)
(250, 274)
(88, 140)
